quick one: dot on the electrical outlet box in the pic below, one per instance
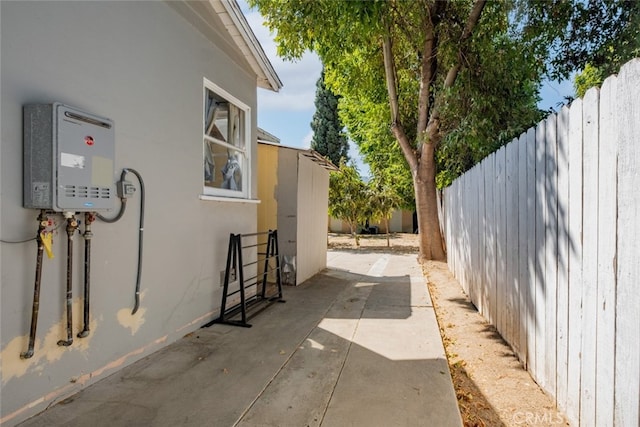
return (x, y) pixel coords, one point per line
(125, 189)
(69, 159)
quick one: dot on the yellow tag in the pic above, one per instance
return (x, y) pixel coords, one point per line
(47, 239)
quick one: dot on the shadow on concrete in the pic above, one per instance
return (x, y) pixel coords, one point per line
(375, 249)
(391, 291)
(312, 361)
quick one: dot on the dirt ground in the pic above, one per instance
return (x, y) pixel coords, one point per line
(492, 387)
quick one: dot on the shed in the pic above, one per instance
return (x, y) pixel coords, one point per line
(293, 186)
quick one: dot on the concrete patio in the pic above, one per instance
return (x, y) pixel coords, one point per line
(357, 345)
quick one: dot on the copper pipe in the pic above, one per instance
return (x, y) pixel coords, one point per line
(42, 224)
(89, 217)
(72, 225)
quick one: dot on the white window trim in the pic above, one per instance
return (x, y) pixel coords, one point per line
(221, 194)
(229, 199)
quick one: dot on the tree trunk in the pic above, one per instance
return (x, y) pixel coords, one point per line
(386, 224)
(424, 183)
(354, 234)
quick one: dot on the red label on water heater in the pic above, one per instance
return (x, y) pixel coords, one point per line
(88, 140)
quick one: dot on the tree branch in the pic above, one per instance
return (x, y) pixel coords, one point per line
(405, 26)
(391, 77)
(428, 70)
(433, 126)
(392, 80)
(473, 19)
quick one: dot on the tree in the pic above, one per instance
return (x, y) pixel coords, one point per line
(418, 49)
(328, 136)
(348, 197)
(494, 100)
(455, 74)
(367, 125)
(594, 37)
(603, 33)
(382, 201)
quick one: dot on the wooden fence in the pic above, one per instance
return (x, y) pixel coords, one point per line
(544, 236)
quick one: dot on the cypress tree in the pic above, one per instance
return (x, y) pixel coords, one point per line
(328, 137)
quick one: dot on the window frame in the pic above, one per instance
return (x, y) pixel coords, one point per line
(246, 152)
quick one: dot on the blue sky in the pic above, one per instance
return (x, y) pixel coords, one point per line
(288, 113)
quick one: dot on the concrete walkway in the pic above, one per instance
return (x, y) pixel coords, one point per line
(357, 345)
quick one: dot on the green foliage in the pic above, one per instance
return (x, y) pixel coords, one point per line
(619, 42)
(355, 202)
(455, 95)
(382, 201)
(588, 78)
(348, 197)
(602, 33)
(328, 136)
(368, 125)
(494, 99)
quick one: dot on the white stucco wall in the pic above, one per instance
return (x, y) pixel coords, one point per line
(395, 223)
(142, 65)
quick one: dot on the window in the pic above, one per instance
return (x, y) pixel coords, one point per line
(226, 146)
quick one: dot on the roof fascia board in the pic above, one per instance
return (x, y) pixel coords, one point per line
(233, 18)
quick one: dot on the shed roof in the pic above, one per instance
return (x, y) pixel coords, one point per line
(310, 154)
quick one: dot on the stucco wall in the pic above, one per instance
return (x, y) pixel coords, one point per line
(400, 222)
(142, 65)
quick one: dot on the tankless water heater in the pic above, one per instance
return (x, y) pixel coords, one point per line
(68, 159)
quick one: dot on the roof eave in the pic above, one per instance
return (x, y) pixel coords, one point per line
(242, 34)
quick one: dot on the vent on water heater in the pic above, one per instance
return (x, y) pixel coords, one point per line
(68, 159)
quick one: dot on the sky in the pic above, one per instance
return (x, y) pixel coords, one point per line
(287, 114)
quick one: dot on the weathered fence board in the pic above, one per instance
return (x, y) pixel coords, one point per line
(539, 258)
(490, 235)
(605, 298)
(562, 305)
(482, 250)
(575, 263)
(627, 361)
(472, 219)
(551, 251)
(501, 239)
(590, 111)
(531, 248)
(468, 230)
(523, 268)
(544, 234)
(511, 290)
